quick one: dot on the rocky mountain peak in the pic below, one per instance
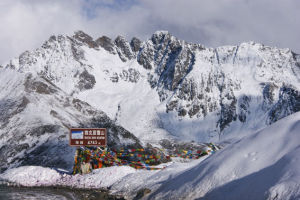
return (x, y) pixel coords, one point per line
(124, 48)
(160, 36)
(85, 38)
(106, 43)
(135, 44)
(82, 36)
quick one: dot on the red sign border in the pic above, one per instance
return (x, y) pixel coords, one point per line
(70, 132)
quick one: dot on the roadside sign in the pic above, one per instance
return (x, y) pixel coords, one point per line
(88, 137)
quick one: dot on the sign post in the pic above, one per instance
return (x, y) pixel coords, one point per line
(88, 137)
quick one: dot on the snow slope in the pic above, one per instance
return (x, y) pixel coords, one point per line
(255, 167)
(258, 166)
(129, 99)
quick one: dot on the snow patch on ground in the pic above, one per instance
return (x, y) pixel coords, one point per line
(43, 176)
(123, 180)
(32, 176)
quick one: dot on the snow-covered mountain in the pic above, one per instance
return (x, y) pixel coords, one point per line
(166, 88)
(35, 117)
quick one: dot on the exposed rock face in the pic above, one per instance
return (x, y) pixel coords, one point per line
(227, 115)
(269, 94)
(9, 108)
(244, 108)
(172, 60)
(87, 81)
(124, 49)
(288, 103)
(130, 75)
(135, 44)
(117, 134)
(40, 87)
(85, 38)
(106, 43)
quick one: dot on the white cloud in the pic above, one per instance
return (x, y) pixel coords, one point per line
(25, 24)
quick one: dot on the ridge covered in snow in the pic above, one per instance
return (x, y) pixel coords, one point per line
(166, 88)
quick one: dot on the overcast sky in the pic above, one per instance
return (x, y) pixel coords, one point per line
(25, 24)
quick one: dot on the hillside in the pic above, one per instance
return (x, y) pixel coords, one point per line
(35, 118)
(263, 165)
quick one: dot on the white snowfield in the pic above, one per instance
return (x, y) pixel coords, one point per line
(255, 167)
(264, 165)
